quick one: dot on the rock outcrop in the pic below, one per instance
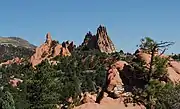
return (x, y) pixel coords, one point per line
(16, 60)
(173, 67)
(113, 79)
(88, 102)
(109, 103)
(88, 98)
(118, 85)
(100, 41)
(115, 87)
(50, 49)
(15, 81)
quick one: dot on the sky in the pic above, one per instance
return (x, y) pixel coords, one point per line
(127, 21)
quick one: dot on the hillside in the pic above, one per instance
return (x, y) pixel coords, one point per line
(11, 47)
(17, 42)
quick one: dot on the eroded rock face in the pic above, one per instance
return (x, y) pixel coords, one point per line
(50, 49)
(100, 41)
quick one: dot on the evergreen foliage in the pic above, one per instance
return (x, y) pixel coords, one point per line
(48, 85)
(7, 101)
(168, 97)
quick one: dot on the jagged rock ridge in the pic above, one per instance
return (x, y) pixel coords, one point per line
(100, 41)
(51, 49)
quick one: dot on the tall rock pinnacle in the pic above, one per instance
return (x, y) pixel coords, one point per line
(48, 38)
(100, 41)
(103, 41)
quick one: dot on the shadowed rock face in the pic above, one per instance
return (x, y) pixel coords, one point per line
(51, 49)
(100, 41)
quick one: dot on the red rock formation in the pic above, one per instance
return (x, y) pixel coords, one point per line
(88, 102)
(15, 81)
(114, 85)
(175, 65)
(120, 64)
(100, 41)
(113, 78)
(16, 60)
(173, 75)
(88, 98)
(109, 103)
(50, 49)
(173, 68)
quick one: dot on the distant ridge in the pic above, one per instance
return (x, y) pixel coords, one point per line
(17, 42)
(12, 47)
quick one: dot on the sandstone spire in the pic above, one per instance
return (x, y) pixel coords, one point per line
(100, 41)
(104, 43)
(48, 38)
